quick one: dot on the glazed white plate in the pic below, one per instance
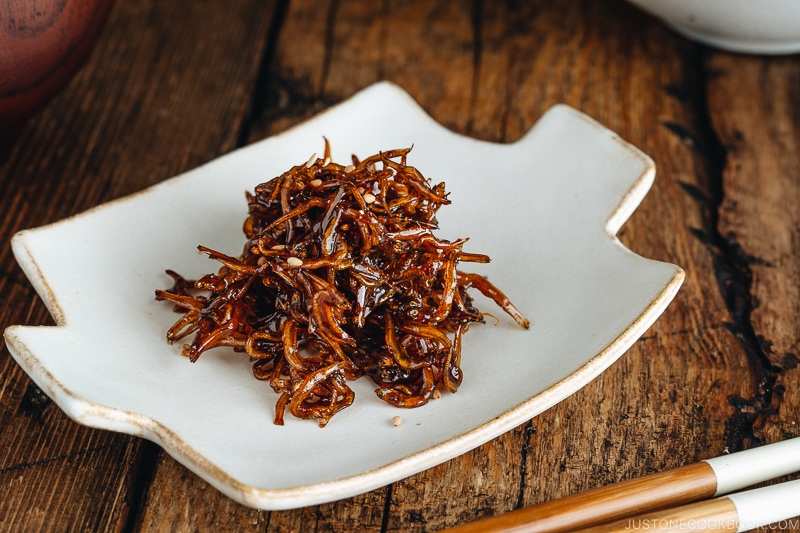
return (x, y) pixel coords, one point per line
(546, 209)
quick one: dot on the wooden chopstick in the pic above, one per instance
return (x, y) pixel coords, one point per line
(716, 514)
(668, 490)
(737, 512)
(604, 504)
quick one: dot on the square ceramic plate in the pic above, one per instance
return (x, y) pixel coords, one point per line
(546, 209)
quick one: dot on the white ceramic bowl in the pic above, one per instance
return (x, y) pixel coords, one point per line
(748, 26)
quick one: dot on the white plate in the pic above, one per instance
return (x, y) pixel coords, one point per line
(546, 209)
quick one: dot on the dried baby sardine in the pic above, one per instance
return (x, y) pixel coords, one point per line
(341, 276)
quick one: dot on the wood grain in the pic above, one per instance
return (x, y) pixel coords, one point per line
(174, 84)
(753, 105)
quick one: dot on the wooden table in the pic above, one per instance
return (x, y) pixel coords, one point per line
(172, 85)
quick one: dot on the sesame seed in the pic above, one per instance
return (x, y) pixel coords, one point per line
(311, 160)
(369, 198)
(294, 261)
(326, 162)
(316, 182)
(437, 394)
(349, 168)
(262, 260)
(279, 247)
(397, 420)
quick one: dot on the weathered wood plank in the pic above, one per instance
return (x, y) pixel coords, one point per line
(754, 105)
(170, 87)
(167, 88)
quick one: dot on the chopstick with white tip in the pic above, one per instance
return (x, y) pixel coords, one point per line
(741, 511)
(669, 490)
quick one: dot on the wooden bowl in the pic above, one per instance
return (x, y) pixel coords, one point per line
(42, 45)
